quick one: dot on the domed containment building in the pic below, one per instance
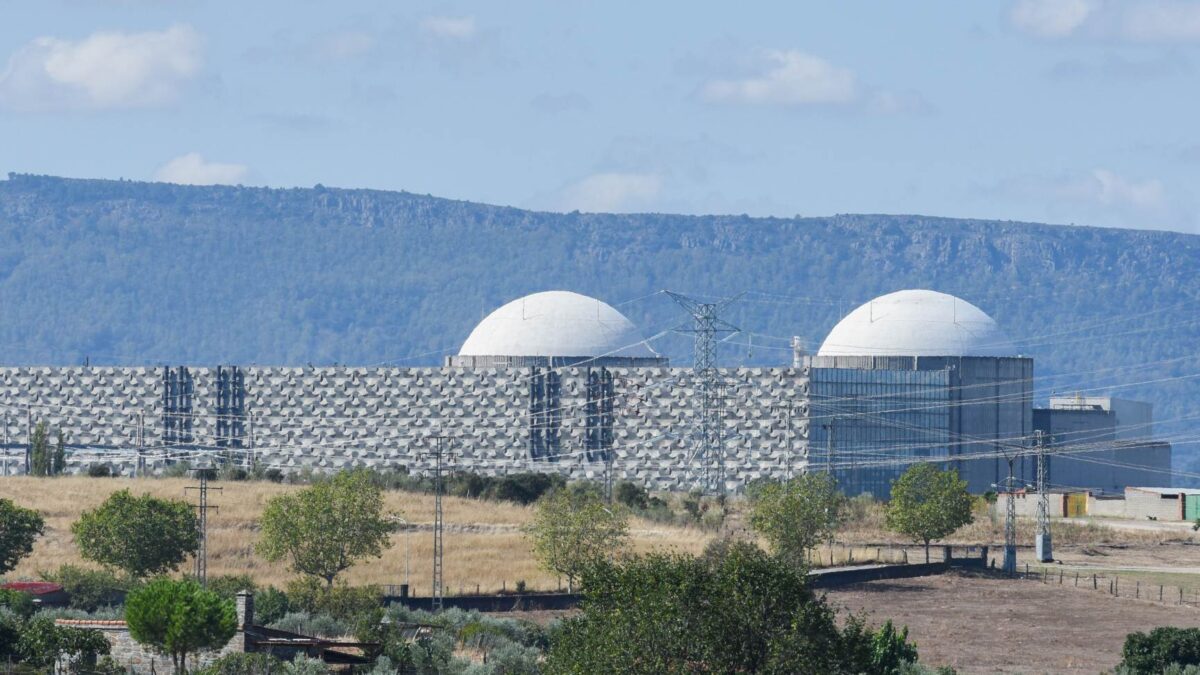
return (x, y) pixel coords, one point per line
(923, 374)
(555, 328)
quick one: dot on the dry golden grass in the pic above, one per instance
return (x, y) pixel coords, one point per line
(484, 543)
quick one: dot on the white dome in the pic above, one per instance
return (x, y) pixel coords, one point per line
(556, 323)
(917, 323)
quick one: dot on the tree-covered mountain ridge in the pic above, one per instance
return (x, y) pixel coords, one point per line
(151, 273)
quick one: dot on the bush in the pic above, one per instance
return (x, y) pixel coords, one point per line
(229, 585)
(242, 664)
(17, 602)
(631, 494)
(232, 472)
(342, 602)
(1161, 648)
(274, 475)
(305, 623)
(89, 589)
(99, 471)
(270, 605)
(179, 469)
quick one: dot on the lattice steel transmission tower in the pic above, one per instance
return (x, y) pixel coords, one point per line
(708, 453)
(202, 522)
(1044, 551)
(1010, 521)
(439, 586)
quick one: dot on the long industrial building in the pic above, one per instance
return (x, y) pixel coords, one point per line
(562, 382)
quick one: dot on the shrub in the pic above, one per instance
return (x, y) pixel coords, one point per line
(232, 472)
(270, 604)
(342, 602)
(274, 475)
(89, 589)
(99, 471)
(305, 623)
(17, 602)
(42, 644)
(179, 469)
(243, 664)
(631, 494)
(1161, 648)
(229, 585)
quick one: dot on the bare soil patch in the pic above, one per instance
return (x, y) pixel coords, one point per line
(990, 624)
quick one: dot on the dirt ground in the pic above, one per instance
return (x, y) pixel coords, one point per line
(987, 624)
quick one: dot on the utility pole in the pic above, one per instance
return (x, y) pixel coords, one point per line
(28, 439)
(439, 455)
(1045, 551)
(608, 475)
(708, 454)
(1010, 522)
(202, 524)
(829, 426)
(6, 444)
(139, 468)
(789, 436)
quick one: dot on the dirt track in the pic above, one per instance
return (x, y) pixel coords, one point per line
(984, 624)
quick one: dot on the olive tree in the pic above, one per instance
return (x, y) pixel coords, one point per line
(323, 529)
(928, 503)
(177, 618)
(797, 515)
(142, 535)
(19, 528)
(570, 531)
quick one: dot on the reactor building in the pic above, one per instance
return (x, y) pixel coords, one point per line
(561, 382)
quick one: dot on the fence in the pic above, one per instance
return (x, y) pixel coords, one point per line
(1114, 585)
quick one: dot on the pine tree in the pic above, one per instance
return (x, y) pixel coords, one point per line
(60, 455)
(39, 451)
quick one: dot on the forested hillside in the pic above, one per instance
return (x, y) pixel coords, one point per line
(140, 273)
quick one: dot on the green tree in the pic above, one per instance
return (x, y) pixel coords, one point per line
(39, 451)
(141, 535)
(19, 528)
(736, 610)
(42, 644)
(1160, 649)
(928, 503)
(571, 531)
(325, 528)
(177, 618)
(58, 463)
(797, 515)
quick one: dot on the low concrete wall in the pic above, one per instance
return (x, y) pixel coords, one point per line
(1106, 507)
(524, 602)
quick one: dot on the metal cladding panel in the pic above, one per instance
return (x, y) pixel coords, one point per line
(330, 418)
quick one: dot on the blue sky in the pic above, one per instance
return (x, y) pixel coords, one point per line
(1066, 111)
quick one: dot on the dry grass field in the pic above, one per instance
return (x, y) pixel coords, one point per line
(987, 624)
(484, 544)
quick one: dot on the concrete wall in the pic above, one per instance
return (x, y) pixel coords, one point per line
(1140, 505)
(1112, 507)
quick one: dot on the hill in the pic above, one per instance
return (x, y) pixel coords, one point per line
(141, 273)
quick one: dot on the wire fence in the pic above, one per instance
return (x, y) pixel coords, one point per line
(1115, 585)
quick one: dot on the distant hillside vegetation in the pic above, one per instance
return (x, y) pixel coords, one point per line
(142, 273)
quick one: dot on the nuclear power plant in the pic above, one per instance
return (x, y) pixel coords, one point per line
(561, 382)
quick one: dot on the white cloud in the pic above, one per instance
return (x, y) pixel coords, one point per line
(1128, 20)
(103, 70)
(345, 44)
(449, 27)
(1166, 21)
(609, 192)
(1051, 18)
(791, 78)
(193, 169)
(1106, 188)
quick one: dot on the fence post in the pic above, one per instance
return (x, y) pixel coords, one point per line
(1093, 582)
(1060, 577)
(1160, 592)
(1137, 589)
(1077, 580)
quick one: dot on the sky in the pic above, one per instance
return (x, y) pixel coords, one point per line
(1061, 111)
